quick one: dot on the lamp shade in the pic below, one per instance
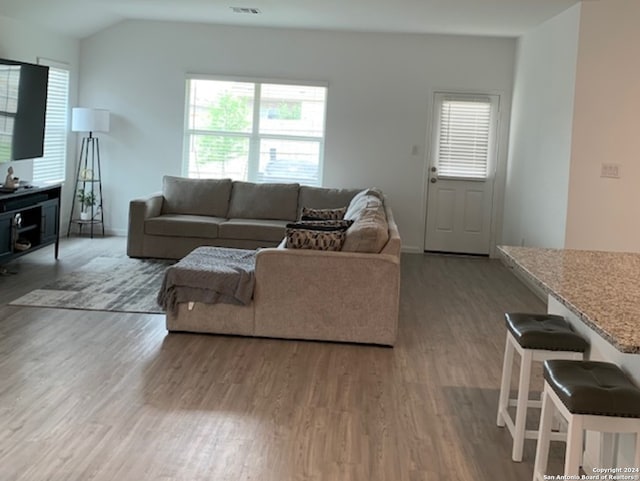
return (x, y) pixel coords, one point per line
(85, 119)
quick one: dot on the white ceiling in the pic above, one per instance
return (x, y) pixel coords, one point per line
(81, 18)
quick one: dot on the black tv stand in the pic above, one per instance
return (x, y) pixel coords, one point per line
(29, 220)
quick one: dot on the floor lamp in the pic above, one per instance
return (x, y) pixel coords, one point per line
(88, 186)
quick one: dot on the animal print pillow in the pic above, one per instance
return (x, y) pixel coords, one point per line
(317, 237)
(322, 214)
(339, 224)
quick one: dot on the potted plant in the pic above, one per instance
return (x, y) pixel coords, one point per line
(87, 199)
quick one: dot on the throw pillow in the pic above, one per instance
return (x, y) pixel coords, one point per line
(324, 238)
(341, 224)
(322, 214)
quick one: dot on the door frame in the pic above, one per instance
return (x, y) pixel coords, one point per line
(499, 181)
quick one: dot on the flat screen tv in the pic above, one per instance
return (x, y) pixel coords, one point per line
(23, 107)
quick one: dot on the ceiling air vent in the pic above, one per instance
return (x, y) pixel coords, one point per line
(253, 11)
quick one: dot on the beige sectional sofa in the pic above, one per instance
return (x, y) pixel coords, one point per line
(189, 213)
(349, 296)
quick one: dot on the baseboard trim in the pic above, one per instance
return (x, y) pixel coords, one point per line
(411, 250)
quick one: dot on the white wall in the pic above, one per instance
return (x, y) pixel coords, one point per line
(537, 188)
(26, 42)
(380, 89)
(603, 213)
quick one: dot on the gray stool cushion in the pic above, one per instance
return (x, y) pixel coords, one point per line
(544, 331)
(593, 387)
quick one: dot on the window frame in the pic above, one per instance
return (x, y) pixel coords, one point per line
(7, 115)
(254, 136)
(491, 98)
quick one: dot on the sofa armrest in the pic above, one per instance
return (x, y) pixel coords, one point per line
(292, 268)
(344, 296)
(311, 255)
(139, 211)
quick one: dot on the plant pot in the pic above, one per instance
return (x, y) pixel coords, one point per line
(85, 216)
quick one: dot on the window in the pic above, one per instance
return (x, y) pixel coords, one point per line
(465, 135)
(254, 131)
(9, 82)
(51, 167)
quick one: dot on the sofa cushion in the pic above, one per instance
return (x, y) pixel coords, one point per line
(321, 198)
(361, 200)
(253, 229)
(370, 230)
(309, 213)
(359, 203)
(263, 201)
(327, 239)
(178, 225)
(376, 192)
(196, 196)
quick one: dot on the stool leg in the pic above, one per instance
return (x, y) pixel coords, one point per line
(556, 425)
(544, 437)
(521, 406)
(505, 384)
(575, 439)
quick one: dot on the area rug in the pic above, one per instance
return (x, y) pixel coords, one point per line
(117, 284)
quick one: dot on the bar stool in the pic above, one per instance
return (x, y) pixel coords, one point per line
(590, 395)
(535, 337)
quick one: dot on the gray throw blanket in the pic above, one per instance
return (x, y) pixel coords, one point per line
(209, 275)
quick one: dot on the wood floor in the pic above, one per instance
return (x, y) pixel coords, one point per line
(110, 396)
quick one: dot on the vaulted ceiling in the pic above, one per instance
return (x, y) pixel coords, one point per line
(81, 18)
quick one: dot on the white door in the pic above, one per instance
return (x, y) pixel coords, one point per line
(461, 174)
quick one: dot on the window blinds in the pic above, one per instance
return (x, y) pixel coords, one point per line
(464, 137)
(52, 165)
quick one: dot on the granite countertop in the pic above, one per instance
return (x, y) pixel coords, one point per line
(602, 288)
